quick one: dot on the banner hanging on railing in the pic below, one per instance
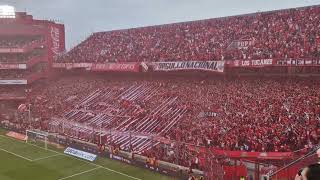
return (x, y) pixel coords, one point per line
(116, 67)
(7, 82)
(107, 67)
(298, 62)
(214, 66)
(11, 50)
(251, 63)
(13, 66)
(273, 62)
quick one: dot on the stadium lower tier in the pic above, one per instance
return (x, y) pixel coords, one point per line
(141, 113)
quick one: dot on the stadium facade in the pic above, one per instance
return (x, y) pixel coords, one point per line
(28, 48)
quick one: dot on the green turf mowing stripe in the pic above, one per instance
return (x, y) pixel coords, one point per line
(15, 154)
(53, 165)
(23, 149)
(38, 159)
(108, 169)
(79, 173)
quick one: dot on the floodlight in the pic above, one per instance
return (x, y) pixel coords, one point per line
(7, 11)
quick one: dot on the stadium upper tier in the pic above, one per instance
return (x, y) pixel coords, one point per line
(18, 42)
(290, 33)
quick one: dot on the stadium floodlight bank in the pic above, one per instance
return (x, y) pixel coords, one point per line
(7, 11)
(37, 138)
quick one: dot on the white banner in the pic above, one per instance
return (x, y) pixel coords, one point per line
(13, 66)
(80, 154)
(207, 114)
(215, 66)
(13, 81)
(241, 44)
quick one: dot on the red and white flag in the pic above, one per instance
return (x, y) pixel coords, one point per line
(22, 108)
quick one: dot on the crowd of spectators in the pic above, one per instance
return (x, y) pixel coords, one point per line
(247, 114)
(18, 41)
(19, 58)
(252, 114)
(14, 90)
(290, 33)
(17, 74)
(241, 114)
(244, 113)
(277, 115)
(13, 74)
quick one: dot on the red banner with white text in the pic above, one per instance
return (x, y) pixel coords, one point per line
(234, 154)
(108, 67)
(117, 67)
(244, 154)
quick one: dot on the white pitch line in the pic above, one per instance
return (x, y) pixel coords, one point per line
(16, 155)
(38, 159)
(80, 173)
(123, 174)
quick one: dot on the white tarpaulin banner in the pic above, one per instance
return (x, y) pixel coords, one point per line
(13, 81)
(215, 66)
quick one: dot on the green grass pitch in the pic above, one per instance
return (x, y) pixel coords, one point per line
(22, 161)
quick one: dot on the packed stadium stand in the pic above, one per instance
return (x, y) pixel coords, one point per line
(291, 33)
(239, 114)
(18, 41)
(261, 93)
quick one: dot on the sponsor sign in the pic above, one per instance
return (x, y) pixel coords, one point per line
(80, 154)
(55, 36)
(215, 66)
(119, 158)
(158, 169)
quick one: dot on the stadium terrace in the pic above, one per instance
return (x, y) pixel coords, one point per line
(230, 98)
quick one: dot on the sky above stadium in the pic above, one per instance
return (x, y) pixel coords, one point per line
(83, 17)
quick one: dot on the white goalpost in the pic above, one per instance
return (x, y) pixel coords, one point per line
(37, 138)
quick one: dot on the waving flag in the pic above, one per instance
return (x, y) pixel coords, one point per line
(22, 108)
